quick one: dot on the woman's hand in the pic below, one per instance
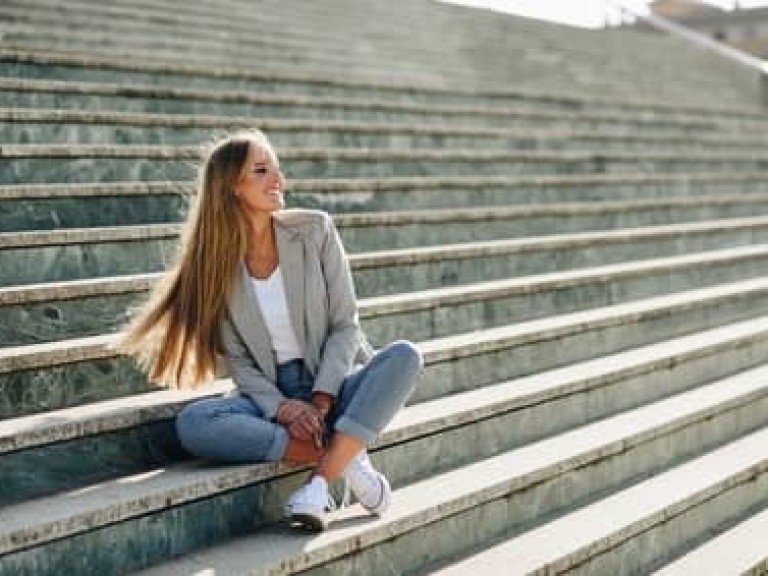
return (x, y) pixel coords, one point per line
(302, 420)
(323, 402)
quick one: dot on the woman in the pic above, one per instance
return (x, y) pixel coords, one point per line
(270, 290)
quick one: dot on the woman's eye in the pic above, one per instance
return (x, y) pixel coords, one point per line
(260, 171)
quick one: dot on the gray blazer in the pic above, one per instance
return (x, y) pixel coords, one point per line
(321, 303)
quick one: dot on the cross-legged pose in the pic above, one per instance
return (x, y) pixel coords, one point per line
(269, 290)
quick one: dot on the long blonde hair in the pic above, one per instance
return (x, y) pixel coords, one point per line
(175, 336)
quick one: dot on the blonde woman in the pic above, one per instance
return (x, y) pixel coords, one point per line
(270, 291)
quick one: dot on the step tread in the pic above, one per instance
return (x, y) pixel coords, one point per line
(274, 551)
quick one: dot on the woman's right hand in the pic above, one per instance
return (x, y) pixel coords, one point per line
(302, 420)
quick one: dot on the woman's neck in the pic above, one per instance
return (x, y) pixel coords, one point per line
(261, 253)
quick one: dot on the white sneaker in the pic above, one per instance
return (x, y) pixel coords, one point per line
(370, 487)
(309, 506)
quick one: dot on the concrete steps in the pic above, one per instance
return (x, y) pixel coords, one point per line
(736, 551)
(34, 314)
(507, 491)
(130, 441)
(101, 252)
(35, 126)
(304, 97)
(642, 525)
(32, 89)
(35, 164)
(62, 66)
(68, 371)
(47, 206)
(457, 32)
(576, 237)
(41, 523)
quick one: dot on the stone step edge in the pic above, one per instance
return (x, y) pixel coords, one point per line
(28, 431)
(739, 550)
(276, 552)
(186, 152)
(41, 57)
(407, 301)
(166, 120)
(413, 255)
(370, 185)
(36, 356)
(73, 512)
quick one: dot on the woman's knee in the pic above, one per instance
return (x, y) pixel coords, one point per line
(408, 356)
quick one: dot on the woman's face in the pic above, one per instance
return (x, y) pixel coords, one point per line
(261, 184)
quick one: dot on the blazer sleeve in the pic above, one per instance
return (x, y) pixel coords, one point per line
(343, 339)
(246, 374)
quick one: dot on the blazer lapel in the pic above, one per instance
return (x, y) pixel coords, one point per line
(290, 249)
(246, 314)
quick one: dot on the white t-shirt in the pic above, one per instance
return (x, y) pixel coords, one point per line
(270, 294)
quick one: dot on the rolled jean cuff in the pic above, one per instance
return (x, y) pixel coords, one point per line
(346, 425)
(279, 445)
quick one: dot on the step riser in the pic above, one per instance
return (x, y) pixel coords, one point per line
(463, 533)
(90, 316)
(77, 261)
(43, 170)
(184, 531)
(372, 238)
(50, 214)
(51, 263)
(65, 133)
(112, 210)
(494, 194)
(53, 387)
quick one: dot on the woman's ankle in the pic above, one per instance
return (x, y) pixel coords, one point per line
(302, 452)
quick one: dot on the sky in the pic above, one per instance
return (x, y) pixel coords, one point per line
(588, 13)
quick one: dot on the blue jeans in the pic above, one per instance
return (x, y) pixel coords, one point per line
(233, 429)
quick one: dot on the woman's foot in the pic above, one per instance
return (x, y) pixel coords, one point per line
(370, 487)
(309, 506)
